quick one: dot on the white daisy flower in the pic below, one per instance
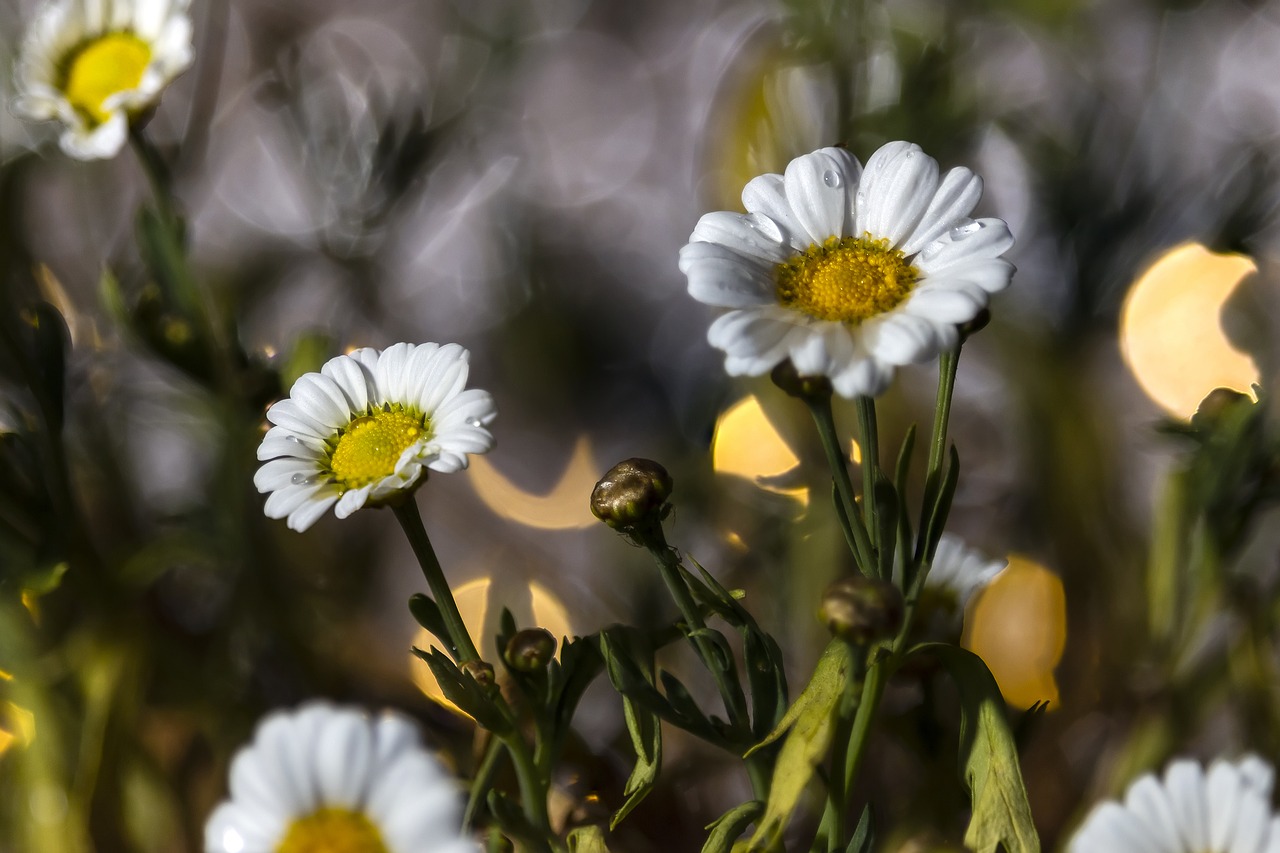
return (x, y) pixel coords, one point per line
(323, 779)
(959, 571)
(91, 64)
(849, 273)
(1226, 810)
(367, 427)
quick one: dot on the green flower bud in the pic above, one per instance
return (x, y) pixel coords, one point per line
(861, 610)
(804, 387)
(632, 493)
(530, 650)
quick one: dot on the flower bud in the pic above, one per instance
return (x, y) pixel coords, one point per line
(1215, 406)
(861, 610)
(530, 650)
(632, 493)
(480, 672)
(804, 387)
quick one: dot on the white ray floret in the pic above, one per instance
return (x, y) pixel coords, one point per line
(960, 571)
(368, 427)
(323, 779)
(849, 273)
(1226, 809)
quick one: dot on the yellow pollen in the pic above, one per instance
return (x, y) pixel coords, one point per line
(849, 280)
(369, 447)
(332, 830)
(107, 65)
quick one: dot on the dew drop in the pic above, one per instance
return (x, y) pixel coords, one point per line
(302, 480)
(930, 251)
(832, 179)
(475, 422)
(293, 438)
(962, 231)
(860, 197)
(765, 227)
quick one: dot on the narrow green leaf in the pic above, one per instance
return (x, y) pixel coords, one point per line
(811, 721)
(427, 613)
(462, 690)
(1001, 814)
(864, 834)
(767, 678)
(729, 826)
(645, 730)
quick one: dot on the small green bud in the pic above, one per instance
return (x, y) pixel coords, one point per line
(861, 610)
(480, 672)
(530, 650)
(1215, 406)
(804, 387)
(632, 493)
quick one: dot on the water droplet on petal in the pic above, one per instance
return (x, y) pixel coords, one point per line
(832, 179)
(293, 438)
(962, 231)
(910, 154)
(930, 251)
(766, 227)
(302, 480)
(861, 197)
(475, 422)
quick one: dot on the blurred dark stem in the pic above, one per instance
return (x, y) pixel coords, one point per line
(211, 53)
(948, 362)
(411, 522)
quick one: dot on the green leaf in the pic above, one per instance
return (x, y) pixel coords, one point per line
(811, 721)
(646, 738)
(462, 690)
(767, 678)
(580, 662)
(1001, 814)
(864, 835)
(726, 828)
(427, 614)
(937, 508)
(587, 839)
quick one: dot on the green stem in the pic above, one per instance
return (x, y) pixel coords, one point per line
(159, 177)
(820, 407)
(832, 829)
(947, 364)
(483, 780)
(533, 789)
(411, 522)
(735, 702)
(870, 466)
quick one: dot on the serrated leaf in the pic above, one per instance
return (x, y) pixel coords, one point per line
(1001, 814)
(645, 730)
(729, 826)
(462, 690)
(811, 721)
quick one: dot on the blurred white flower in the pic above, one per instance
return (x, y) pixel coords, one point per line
(92, 64)
(367, 427)
(959, 571)
(1226, 810)
(849, 273)
(325, 778)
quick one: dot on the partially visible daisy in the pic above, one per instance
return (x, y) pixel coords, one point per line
(93, 64)
(848, 273)
(367, 427)
(332, 780)
(1226, 810)
(958, 572)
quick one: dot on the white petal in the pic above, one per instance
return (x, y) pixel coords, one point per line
(767, 196)
(978, 239)
(899, 338)
(101, 143)
(234, 829)
(1184, 781)
(1222, 788)
(281, 473)
(943, 305)
(444, 375)
(1148, 800)
(989, 276)
(753, 234)
(470, 407)
(290, 415)
(865, 376)
(309, 513)
(351, 501)
(1251, 823)
(819, 189)
(721, 278)
(343, 756)
(392, 373)
(281, 442)
(352, 380)
(896, 188)
(951, 205)
(1118, 829)
(320, 398)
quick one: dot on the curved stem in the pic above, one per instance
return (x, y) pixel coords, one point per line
(411, 522)
(947, 364)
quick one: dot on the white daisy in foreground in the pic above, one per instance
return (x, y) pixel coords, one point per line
(1227, 810)
(959, 571)
(92, 64)
(849, 273)
(332, 780)
(367, 427)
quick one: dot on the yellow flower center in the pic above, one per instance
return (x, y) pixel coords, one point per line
(849, 280)
(332, 830)
(369, 447)
(107, 65)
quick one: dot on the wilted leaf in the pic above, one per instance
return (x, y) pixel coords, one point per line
(726, 828)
